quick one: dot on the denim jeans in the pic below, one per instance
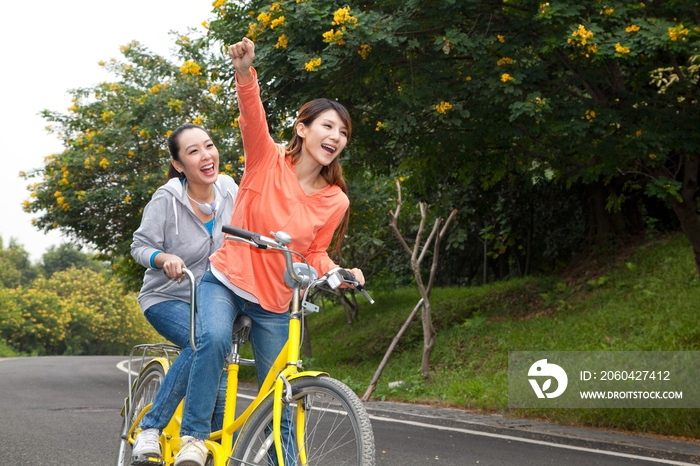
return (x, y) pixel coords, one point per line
(217, 308)
(172, 320)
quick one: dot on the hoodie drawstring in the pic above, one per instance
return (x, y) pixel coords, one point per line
(177, 222)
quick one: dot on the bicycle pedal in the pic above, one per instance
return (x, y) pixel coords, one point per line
(146, 460)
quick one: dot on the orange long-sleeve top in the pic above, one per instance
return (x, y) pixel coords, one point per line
(271, 199)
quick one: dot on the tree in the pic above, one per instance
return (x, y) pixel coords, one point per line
(599, 93)
(65, 256)
(15, 267)
(115, 152)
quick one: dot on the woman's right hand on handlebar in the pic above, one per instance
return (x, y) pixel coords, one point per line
(172, 265)
(359, 276)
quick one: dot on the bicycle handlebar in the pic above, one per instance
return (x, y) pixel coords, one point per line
(334, 278)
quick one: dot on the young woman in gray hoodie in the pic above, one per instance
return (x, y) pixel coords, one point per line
(180, 227)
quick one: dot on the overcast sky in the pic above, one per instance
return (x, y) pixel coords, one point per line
(50, 47)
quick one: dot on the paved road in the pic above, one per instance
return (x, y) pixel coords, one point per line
(65, 411)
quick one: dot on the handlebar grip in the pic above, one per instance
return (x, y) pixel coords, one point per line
(241, 233)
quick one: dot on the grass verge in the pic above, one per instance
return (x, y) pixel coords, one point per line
(644, 300)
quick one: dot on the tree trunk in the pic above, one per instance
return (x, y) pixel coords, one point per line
(428, 339)
(686, 210)
(378, 373)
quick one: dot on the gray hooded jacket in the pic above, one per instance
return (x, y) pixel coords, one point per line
(170, 225)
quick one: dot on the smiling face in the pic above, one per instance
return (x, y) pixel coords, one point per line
(198, 157)
(324, 138)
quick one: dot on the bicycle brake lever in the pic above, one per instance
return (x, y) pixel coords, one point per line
(362, 290)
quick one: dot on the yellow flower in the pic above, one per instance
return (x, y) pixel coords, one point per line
(155, 89)
(218, 4)
(175, 104)
(275, 7)
(333, 36)
(364, 51)
(505, 61)
(639, 133)
(501, 38)
(241, 159)
(469, 78)
(582, 34)
(205, 24)
(678, 32)
(190, 67)
(198, 121)
(103, 163)
(313, 64)
(264, 18)
(632, 28)
(380, 125)
(505, 77)
(590, 115)
(652, 156)
(281, 42)
(342, 16)
(215, 89)
(277, 22)
(101, 63)
(608, 11)
(253, 30)
(620, 49)
(443, 107)
(127, 199)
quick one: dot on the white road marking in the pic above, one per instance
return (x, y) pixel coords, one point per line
(525, 440)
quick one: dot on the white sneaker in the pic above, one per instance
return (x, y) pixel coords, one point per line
(192, 453)
(146, 450)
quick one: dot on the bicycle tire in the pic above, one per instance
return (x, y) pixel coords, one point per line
(144, 392)
(338, 431)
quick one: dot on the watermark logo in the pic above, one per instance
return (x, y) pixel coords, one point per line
(542, 369)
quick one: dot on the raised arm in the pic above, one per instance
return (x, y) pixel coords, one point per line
(242, 54)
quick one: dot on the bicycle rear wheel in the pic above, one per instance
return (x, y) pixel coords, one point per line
(143, 395)
(336, 428)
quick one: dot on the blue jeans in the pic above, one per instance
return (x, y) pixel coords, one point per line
(217, 308)
(172, 320)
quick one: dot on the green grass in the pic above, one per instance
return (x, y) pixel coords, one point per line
(7, 351)
(645, 300)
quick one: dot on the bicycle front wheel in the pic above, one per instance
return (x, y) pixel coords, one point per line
(325, 424)
(143, 395)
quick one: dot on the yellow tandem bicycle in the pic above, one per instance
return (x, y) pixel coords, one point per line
(327, 422)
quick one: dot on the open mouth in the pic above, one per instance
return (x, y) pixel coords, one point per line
(330, 149)
(208, 169)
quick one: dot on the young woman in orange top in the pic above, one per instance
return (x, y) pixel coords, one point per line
(298, 189)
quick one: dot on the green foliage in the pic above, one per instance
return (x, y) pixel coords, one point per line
(76, 311)
(644, 302)
(65, 256)
(15, 267)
